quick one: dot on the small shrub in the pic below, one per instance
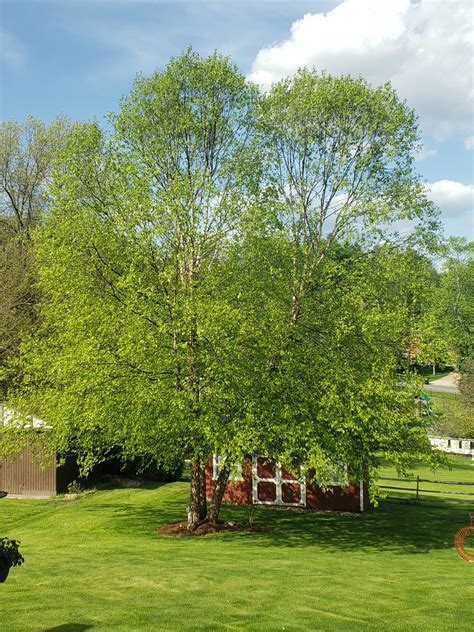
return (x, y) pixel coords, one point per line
(9, 553)
(74, 488)
(250, 515)
(148, 468)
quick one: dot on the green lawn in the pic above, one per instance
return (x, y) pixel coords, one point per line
(461, 469)
(96, 564)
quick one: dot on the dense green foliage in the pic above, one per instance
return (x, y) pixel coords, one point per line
(221, 274)
(448, 319)
(466, 384)
(456, 298)
(27, 153)
(446, 327)
(140, 468)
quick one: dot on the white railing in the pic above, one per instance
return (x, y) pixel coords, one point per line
(454, 445)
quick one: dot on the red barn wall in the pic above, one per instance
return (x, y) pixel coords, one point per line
(237, 492)
(336, 498)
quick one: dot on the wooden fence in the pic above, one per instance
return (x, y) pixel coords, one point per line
(419, 490)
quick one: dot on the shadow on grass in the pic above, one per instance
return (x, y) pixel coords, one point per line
(69, 627)
(394, 526)
(118, 482)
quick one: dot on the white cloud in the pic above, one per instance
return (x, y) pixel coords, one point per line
(12, 51)
(424, 48)
(456, 202)
(469, 142)
(453, 198)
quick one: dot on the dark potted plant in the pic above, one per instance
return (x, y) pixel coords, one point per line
(9, 556)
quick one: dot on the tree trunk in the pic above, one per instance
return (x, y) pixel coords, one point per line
(218, 494)
(197, 503)
(294, 316)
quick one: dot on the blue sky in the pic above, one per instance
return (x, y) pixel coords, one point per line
(80, 56)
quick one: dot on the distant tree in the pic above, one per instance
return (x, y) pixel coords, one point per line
(448, 315)
(449, 325)
(455, 297)
(416, 284)
(27, 152)
(462, 423)
(466, 385)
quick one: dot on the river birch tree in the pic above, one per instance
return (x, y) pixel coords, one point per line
(199, 294)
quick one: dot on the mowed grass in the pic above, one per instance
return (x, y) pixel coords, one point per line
(95, 564)
(461, 469)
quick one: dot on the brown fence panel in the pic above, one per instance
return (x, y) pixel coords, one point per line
(25, 475)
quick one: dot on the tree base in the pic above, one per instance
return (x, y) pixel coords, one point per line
(180, 529)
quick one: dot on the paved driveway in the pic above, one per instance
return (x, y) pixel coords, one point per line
(446, 384)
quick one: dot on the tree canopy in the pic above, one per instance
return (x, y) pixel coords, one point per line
(220, 274)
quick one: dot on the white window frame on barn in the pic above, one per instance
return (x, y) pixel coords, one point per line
(236, 473)
(278, 480)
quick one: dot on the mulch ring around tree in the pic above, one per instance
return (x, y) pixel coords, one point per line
(180, 529)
